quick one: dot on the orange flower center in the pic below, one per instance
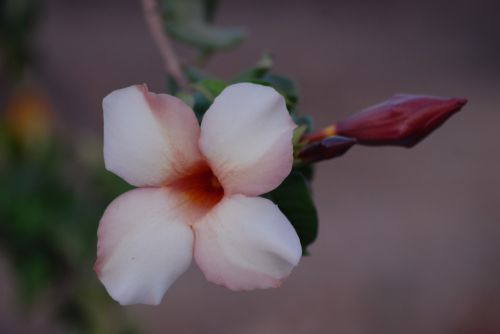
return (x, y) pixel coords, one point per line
(200, 187)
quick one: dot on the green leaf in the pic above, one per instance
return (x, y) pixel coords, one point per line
(285, 86)
(188, 21)
(260, 69)
(307, 171)
(210, 88)
(260, 74)
(294, 200)
(206, 91)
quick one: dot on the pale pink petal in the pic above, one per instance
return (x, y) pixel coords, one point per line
(246, 136)
(144, 244)
(148, 138)
(246, 243)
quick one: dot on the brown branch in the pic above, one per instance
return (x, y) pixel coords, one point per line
(170, 61)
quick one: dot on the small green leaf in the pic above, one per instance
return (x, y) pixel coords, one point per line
(188, 21)
(210, 88)
(204, 36)
(260, 74)
(294, 200)
(260, 69)
(285, 86)
(206, 91)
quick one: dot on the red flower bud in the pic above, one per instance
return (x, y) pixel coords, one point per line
(327, 148)
(402, 120)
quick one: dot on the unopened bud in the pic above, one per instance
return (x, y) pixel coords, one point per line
(403, 120)
(327, 148)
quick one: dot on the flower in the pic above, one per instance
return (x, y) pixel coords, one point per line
(198, 192)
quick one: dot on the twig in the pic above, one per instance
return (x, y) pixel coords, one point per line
(170, 61)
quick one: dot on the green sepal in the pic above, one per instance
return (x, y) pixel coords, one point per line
(304, 120)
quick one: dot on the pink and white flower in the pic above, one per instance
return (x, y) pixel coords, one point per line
(198, 192)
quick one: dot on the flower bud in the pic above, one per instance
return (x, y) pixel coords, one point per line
(327, 148)
(403, 120)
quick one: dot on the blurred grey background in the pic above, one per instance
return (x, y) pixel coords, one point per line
(409, 239)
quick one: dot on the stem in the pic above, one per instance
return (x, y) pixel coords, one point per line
(170, 61)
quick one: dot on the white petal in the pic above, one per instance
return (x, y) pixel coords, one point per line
(143, 246)
(148, 138)
(246, 243)
(246, 136)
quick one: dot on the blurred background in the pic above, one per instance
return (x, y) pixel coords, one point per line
(409, 240)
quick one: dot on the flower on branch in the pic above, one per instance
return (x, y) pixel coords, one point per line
(198, 192)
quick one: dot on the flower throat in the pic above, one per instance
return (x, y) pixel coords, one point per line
(200, 186)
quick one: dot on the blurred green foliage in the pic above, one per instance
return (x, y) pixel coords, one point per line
(18, 19)
(50, 199)
(50, 206)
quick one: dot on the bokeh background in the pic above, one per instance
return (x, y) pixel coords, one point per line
(409, 240)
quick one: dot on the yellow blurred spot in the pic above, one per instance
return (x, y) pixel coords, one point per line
(29, 116)
(329, 131)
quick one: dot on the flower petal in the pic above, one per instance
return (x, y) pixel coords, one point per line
(143, 246)
(148, 138)
(246, 136)
(246, 243)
